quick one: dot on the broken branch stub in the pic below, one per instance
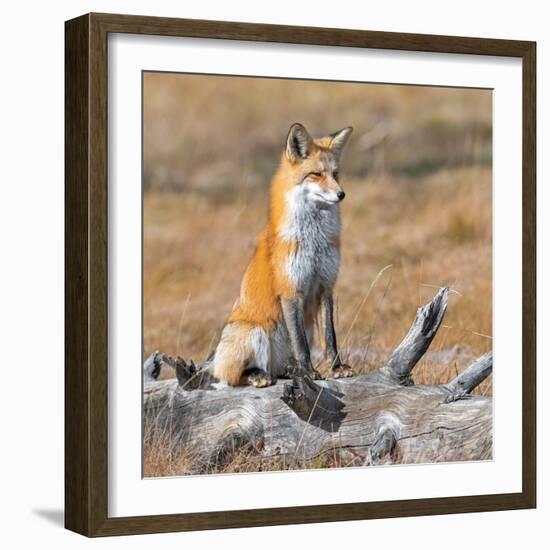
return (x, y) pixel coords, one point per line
(415, 344)
(470, 378)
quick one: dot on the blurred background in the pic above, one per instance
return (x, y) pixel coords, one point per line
(417, 214)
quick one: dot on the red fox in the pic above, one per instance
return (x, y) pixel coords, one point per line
(290, 278)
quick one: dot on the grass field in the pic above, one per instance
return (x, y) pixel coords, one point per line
(417, 214)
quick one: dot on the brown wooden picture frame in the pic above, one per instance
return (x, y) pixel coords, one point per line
(86, 285)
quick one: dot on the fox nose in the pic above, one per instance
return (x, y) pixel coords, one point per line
(340, 195)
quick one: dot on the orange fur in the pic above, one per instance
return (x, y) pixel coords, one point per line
(265, 279)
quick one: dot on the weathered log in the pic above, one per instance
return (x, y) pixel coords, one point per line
(375, 418)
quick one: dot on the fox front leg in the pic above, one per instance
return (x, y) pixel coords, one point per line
(293, 313)
(339, 369)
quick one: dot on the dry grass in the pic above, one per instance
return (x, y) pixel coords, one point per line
(438, 234)
(161, 460)
(221, 134)
(418, 200)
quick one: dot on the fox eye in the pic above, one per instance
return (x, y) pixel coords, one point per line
(315, 174)
(335, 174)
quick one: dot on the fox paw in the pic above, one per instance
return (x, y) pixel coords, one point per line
(295, 370)
(259, 379)
(342, 371)
(314, 374)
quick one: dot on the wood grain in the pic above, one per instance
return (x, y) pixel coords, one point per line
(77, 383)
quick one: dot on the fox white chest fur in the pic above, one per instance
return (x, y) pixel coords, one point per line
(316, 260)
(312, 267)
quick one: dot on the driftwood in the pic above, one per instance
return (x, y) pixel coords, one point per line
(376, 418)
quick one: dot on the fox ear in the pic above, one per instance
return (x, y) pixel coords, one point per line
(298, 143)
(339, 140)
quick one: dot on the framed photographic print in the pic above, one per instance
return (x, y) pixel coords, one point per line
(300, 274)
